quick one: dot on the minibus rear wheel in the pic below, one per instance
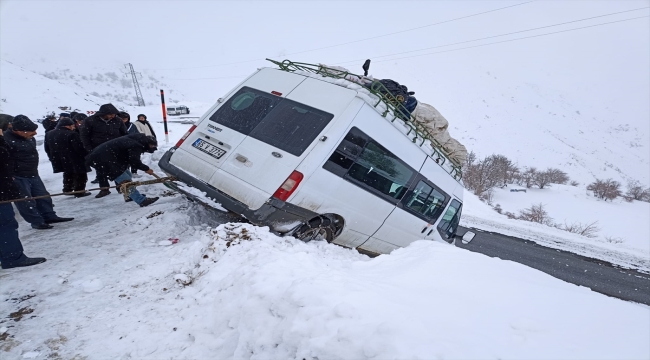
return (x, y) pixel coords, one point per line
(318, 228)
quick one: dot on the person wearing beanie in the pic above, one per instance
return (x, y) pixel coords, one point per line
(113, 159)
(11, 249)
(67, 155)
(49, 123)
(24, 163)
(98, 129)
(73, 114)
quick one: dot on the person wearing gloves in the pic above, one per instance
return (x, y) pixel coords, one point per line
(98, 129)
(113, 159)
(24, 162)
(11, 249)
(67, 155)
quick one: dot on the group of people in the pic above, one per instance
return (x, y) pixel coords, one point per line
(106, 141)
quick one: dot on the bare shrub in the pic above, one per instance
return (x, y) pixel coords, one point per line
(527, 177)
(510, 215)
(536, 213)
(614, 240)
(494, 170)
(557, 176)
(574, 183)
(605, 189)
(635, 191)
(550, 176)
(587, 230)
(487, 196)
(498, 208)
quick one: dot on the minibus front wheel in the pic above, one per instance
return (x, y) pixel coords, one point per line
(319, 228)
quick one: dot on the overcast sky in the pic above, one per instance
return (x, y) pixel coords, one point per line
(198, 41)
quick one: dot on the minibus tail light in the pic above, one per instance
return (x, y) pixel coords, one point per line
(180, 141)
(289, 186)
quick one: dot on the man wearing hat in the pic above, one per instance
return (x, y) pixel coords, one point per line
(49, 123)
(24, 162)
(11, 249)
(98, 129)
(67, 155)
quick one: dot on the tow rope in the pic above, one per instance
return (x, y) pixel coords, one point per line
(127, 186)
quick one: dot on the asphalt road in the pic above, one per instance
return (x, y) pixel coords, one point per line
(598, 275)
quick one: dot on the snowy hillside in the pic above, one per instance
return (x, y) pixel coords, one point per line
(109, 80)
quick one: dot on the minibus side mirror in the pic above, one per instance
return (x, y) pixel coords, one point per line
(467, 237)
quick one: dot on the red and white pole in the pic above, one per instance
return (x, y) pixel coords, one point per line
(164, 110)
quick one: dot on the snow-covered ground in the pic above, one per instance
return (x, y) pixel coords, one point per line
(115, 286)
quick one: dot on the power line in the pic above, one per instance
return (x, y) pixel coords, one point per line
(415, 28)
(356, 41)
(212, 78)
(504, 41)
(475, 46)
(495, 36)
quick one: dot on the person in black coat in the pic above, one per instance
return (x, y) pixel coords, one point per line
(24, 162)
(126, 119)
(113, 159)
(100, 128)
(78, 121)
(67, 155)
(11, 249)
(49, 123)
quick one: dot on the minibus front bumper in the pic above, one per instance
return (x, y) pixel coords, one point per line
(280, 216)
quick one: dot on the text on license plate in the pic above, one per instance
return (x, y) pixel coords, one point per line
(209, 148)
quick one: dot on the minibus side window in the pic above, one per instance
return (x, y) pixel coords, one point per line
(425, 201)
(449, 222)
(366, 163)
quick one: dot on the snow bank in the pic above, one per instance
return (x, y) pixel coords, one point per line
(238, 291)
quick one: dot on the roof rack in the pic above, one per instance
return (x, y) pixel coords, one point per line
(417, 130)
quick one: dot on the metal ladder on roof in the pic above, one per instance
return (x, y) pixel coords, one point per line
(418, 132)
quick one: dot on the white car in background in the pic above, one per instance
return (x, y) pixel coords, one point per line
(178, 110)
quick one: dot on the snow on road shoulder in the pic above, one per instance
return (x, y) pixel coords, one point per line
(238, 291)
(479, 215)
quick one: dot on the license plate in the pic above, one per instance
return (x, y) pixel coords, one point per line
(209, 148)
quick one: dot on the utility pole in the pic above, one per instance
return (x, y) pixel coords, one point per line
(138, 93)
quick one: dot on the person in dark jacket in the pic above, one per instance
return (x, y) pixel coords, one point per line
(131, 129)
(100, 128)
(79, 120)
(24, 162)
(67, 155)
(11, 249)
(49, 123)
(126, 119)
(113, 159)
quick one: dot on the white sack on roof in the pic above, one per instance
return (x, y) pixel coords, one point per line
(431, 118)
(457, 151)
